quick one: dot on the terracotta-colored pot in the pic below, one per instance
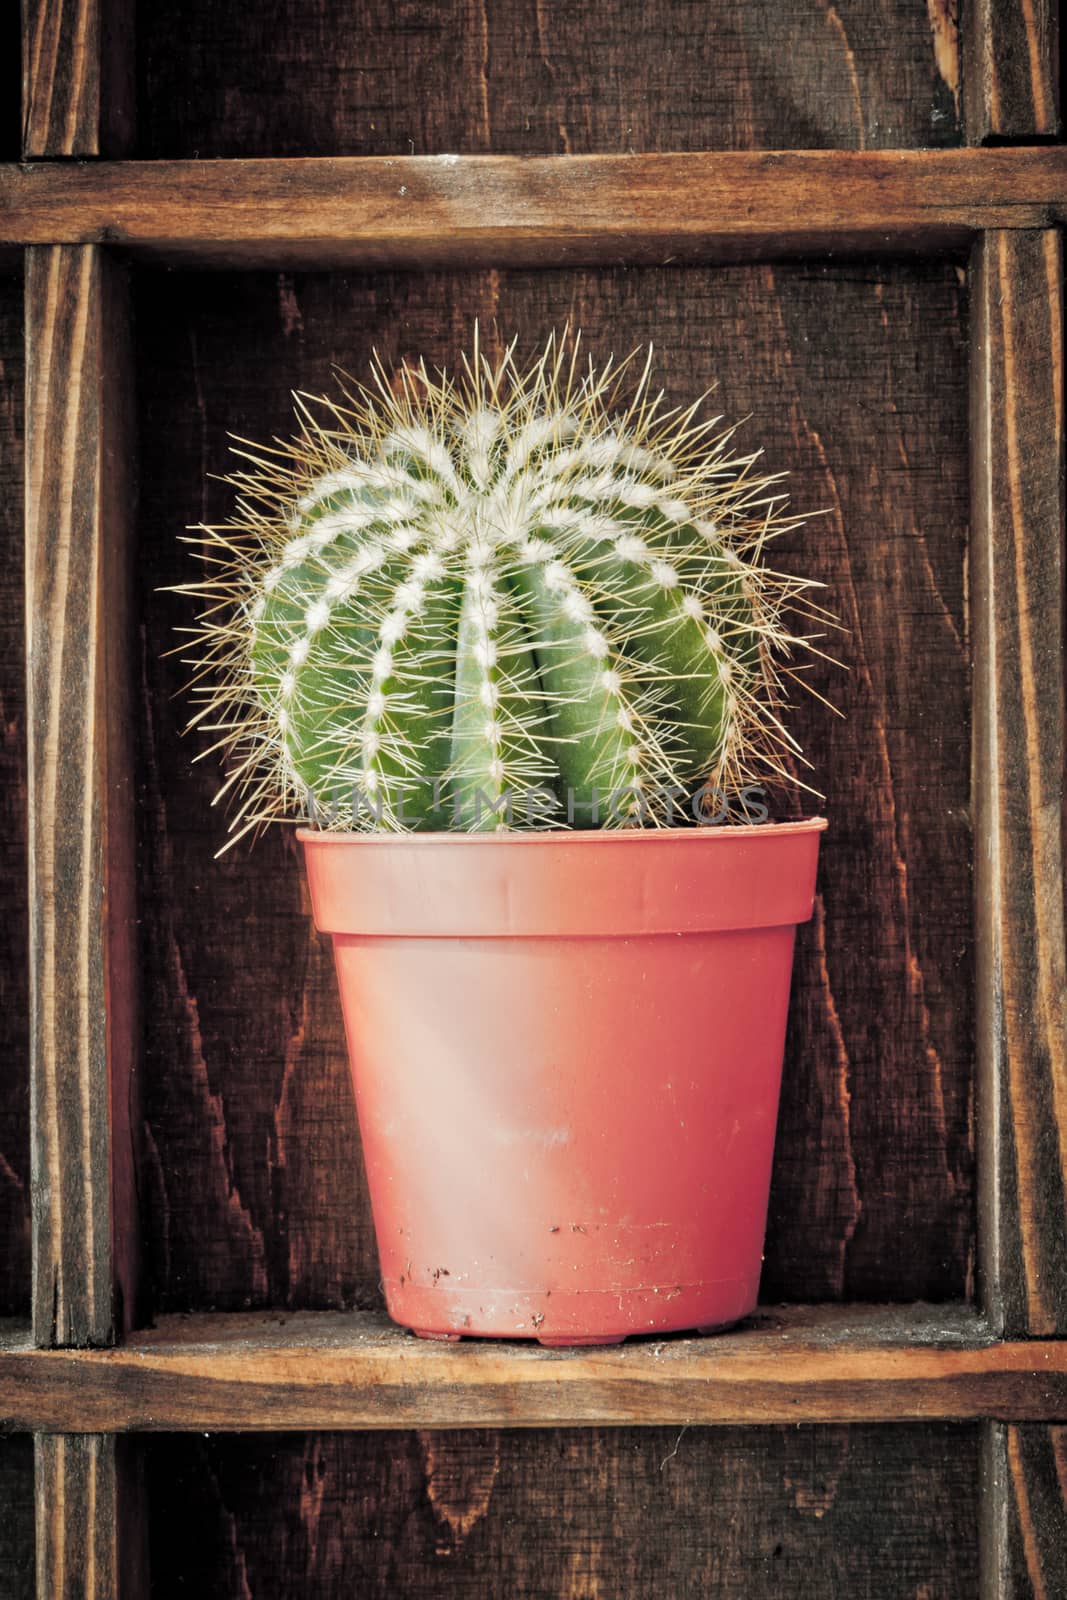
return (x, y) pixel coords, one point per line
(567, 1050)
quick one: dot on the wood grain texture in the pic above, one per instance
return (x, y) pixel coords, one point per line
(1011, 69)
(14, 967)
(1017, 609)
(261, 1371)
(326, 77)
(17, 1581)
(793, 1514)
(1023, 1528)
(81, 843)
(78, 77)
(854, 380)
(504, 210)
(76, 1517)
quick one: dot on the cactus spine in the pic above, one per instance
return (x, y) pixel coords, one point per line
(523, 598)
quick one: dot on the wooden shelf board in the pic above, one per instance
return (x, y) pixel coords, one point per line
(276, 1371)
(542, 211)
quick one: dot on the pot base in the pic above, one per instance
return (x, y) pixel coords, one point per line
(569, 1317)
(549, 1344)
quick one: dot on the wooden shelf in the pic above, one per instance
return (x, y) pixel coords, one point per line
(269, 1371)
(522, 211)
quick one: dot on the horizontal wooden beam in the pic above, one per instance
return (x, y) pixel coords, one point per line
(326, 1370)
(510, 210)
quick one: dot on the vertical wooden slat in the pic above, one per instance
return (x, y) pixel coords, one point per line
(78, 82)
(77, 1516)
(78, 99)
(1018, 634)
(82, 905)
(1011, 91)
(1011, 70)
(1023, 1528)
(91, 1527)
(83, 1025)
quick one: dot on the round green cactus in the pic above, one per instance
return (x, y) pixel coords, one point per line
(525, 599)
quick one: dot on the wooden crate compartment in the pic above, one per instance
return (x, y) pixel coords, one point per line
(334, 78)
(740, 1514)
(791, 138)
(856, 379)
(14, 959)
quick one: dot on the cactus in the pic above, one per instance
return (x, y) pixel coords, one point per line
(528, 598)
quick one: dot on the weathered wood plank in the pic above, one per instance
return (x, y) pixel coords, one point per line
(78, 77)
(355, 1370)
(81, 830)
(765, 1514)
(14, 967)
(1017, 568)
(506, 210)
(1011, 69)
(855, 380)
(76, 1517)
(329, 77)
(1024, 1512)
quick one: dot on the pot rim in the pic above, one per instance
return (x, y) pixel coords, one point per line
(561, 884)
(556, 836)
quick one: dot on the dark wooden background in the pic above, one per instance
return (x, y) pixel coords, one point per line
(853, 375)
(323, 77)
(14, 964)
(858, 1513)
(10, 85)
(16, 1518)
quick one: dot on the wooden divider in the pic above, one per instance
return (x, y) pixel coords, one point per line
(1017, 589)
(78, 77)
(83, 970)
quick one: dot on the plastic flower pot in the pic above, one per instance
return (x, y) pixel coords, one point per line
(567, 1052)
